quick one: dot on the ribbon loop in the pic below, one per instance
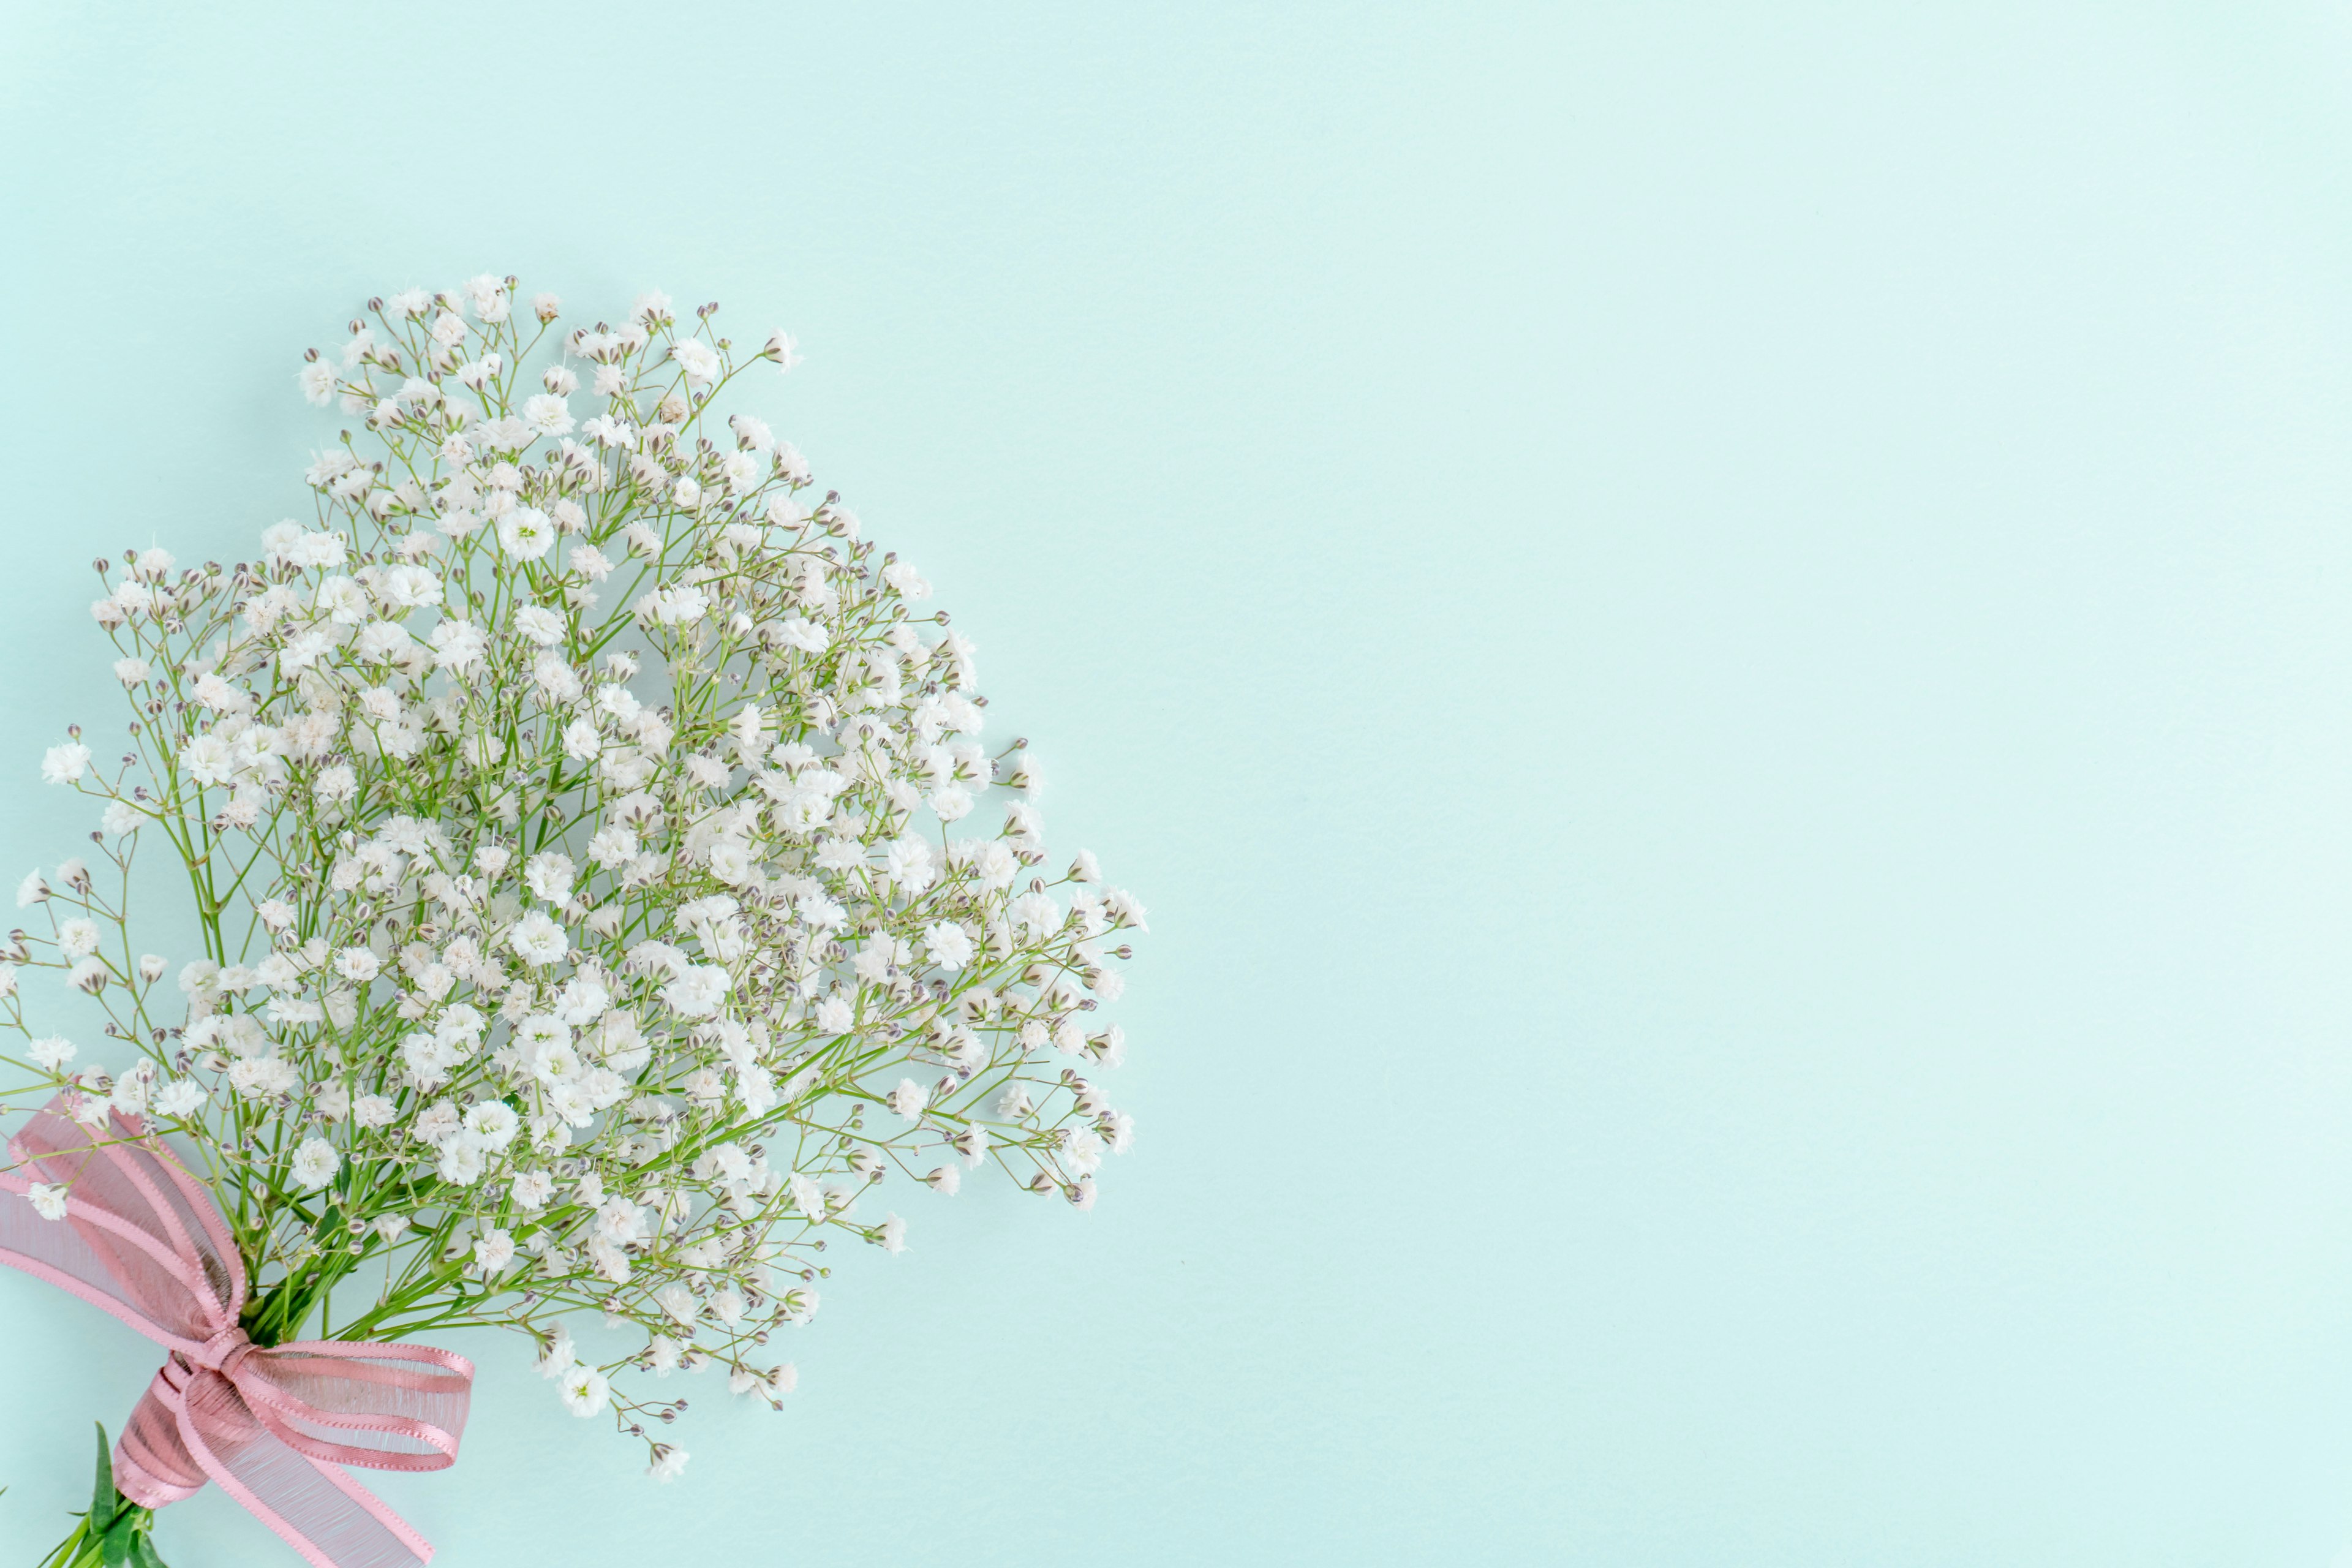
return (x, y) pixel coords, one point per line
(272, 1425)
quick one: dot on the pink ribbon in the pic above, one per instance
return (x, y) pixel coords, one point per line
(273, 1425)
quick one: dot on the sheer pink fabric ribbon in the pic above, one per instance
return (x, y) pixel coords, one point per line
(273, 1425)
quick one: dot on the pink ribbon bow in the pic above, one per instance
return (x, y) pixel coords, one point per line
(273, 1425)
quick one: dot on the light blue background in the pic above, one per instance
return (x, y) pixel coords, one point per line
(1717, 635)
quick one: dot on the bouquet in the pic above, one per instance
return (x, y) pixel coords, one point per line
(589, 839)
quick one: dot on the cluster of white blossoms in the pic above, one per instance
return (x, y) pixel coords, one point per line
(594, 852)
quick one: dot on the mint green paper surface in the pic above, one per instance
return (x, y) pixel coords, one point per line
(1720, 637)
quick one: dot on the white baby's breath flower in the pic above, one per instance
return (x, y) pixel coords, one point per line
(538, 939)
(65, 764)
(493, 1251)
(78, 937)
(548, 415)
(585, 1391)
(486, 295)
(317, 380)
(697, 359)
(539, 623)
(315, 1164)
(526, 533)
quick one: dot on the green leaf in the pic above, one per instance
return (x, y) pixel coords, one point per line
(142, 1553)
(116, 1545)
(101, 1501)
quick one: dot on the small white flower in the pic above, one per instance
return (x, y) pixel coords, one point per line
(78, 938)
(315, 1164)
(48, 1199)
(699, 991)
(549, 876)
(547, 415)
(460, 1164)
(730, 861)
(493, 1251)
(606, 431)
(740, 471)
(531, 1189)
(208, 759)
(697, 359)
(492, 1124)
(1083, 1151)
(951, 945)
(585, 1391)
(65, 764)
(487, 296)
(317, 380)
(1035, 913)
(526, 533)
(536, 938)
(539, 623)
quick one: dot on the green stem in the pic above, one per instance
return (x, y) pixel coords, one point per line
(86, 1548)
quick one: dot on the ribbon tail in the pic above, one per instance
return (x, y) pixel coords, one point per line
(152, 1466)
(308, 1503)
(420, 1550)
